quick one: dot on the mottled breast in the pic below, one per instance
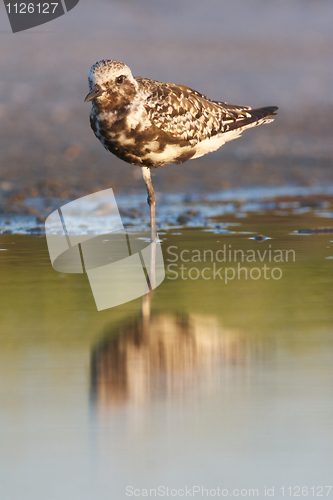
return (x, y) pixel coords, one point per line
(130, 135)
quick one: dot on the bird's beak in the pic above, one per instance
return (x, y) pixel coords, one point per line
(95, 92)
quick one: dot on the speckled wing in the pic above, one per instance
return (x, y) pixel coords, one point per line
(186, 114)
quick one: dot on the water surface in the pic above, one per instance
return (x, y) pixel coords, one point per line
(226, 384)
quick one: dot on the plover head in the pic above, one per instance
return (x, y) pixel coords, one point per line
(111, 84)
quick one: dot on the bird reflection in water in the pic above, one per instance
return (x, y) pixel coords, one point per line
(162, 356)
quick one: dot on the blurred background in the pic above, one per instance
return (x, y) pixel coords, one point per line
(226, 385)
(250, 52)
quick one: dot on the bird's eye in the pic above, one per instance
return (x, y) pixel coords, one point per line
(120, 79)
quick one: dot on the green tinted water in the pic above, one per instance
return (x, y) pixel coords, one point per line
(228, 384)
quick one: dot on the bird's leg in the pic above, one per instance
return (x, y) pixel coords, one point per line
(152, 203)
(151, 200)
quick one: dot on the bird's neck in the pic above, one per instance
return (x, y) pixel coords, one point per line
(105, 107)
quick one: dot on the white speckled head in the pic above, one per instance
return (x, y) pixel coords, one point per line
(106, 71)
(111, 85)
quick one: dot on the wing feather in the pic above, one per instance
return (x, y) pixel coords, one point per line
(186, 114)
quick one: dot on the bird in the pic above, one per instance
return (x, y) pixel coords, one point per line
(151, 123)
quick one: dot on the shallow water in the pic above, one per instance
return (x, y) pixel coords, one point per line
(227, 385)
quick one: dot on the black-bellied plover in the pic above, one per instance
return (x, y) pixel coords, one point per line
(150, 123)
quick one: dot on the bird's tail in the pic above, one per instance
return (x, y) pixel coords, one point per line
(254, 117)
